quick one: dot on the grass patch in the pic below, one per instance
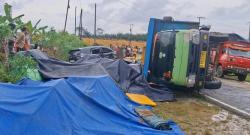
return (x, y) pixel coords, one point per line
(248, 78)
(193, 115)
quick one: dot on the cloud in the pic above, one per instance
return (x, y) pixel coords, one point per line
(115, 15)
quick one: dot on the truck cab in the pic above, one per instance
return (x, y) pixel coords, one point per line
(234, 58)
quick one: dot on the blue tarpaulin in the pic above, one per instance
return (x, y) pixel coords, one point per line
(72, 106)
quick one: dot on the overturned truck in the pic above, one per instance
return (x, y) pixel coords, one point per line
(179, 55)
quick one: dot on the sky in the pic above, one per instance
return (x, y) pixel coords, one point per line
(115, 16)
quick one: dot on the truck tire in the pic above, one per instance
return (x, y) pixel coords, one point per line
(219, 72)
(242, 77)
(215, 84)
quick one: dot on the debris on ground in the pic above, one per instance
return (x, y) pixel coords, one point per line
(220, 117)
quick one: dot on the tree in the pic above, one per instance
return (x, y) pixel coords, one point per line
(34, 30)
(12, 21)
(100, 31)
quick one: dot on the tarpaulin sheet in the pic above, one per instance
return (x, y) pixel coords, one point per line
(126, 76)
(72, 106)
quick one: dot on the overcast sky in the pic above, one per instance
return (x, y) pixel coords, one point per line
(115, 15)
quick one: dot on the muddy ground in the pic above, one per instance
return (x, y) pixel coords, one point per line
(198, 117)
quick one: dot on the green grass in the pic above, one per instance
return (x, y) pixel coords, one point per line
(248, 78)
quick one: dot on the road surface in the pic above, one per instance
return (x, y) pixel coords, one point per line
(233, 93)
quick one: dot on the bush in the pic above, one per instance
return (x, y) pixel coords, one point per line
(63, 42)
(17, 69)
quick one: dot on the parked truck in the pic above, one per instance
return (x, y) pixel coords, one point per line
(231, 56)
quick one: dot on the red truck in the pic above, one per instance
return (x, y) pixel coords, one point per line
(232, 58)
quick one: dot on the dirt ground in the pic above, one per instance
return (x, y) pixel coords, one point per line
(198, 117)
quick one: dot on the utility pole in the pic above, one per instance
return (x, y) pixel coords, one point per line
(130, 33)
(200, 17)
(75, 20)
(95, 26)
(249, 32)
(65, 24)
(80, 25)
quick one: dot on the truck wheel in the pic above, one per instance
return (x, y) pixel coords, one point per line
(242, 77)
(215, 84)
(219, 72)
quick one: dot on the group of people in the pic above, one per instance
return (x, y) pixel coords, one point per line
(126, 51)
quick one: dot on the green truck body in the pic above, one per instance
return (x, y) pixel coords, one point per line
(179, 74)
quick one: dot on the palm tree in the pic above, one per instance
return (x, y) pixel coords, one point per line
(16, 21)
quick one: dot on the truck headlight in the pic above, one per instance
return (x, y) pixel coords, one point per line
(191, 80)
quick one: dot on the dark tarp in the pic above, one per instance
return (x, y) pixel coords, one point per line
(215, 38)
(72, 106)
(126, 76)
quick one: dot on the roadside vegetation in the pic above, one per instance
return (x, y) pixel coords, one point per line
(58, 44)
(248, 78)
(14, 67)
(17, 68)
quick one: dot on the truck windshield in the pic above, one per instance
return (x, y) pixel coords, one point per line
(241, 53)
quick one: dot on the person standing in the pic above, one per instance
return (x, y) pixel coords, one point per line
(22, 42)
(27, 39)
(19, 43)
(129, 51)
(119, 52)
(124, 50)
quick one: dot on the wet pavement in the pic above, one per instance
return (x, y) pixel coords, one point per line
(232, 92)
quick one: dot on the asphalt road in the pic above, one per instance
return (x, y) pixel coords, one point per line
(233, 93)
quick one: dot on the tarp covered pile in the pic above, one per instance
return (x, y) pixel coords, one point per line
(83, 98)
(72, 106)
(127, 77)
